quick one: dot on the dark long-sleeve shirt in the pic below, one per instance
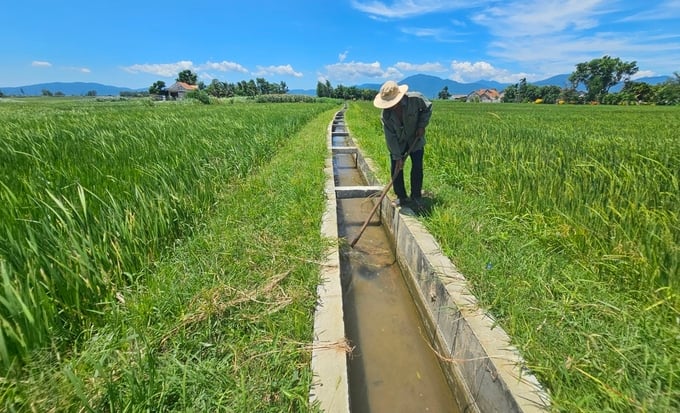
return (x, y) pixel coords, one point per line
(400, 133)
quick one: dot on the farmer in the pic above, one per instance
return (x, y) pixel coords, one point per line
(404, 118)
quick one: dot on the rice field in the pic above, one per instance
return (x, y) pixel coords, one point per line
(98, 201)
(565, 219)
(163, 257)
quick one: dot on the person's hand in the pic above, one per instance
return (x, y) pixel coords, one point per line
(399, 165)
(420, 132)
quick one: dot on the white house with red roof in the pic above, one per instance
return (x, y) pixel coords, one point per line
(179, 89)
(485, 96)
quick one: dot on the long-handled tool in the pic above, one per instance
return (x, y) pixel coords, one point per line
(397, 170)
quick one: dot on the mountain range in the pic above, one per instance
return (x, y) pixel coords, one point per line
(428, 85)
(67, 88)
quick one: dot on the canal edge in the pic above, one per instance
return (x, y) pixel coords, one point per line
(330, 384)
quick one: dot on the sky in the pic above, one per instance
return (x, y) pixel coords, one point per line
(134, 43)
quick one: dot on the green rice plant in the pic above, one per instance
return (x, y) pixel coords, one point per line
(565, 221)
(222, 321)
(95, 192)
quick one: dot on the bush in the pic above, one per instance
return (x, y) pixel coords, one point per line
(199, 95)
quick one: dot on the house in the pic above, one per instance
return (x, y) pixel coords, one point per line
(179, 89)
(485, 96)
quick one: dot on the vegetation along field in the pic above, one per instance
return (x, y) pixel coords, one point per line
(159, 257)
(565, 221)
(164, 257)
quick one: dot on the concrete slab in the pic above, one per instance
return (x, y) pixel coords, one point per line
(344, 150)
(347, 192)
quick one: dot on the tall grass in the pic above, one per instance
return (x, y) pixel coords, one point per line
(565, 220)
(223, 321)
(93, 193)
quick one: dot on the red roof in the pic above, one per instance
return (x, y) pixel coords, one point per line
(178, 86)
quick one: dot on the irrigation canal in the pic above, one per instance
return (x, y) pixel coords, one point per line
(392, 367)
(396, 328)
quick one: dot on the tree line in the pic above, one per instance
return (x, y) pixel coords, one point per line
(597, 77)
(217, 88)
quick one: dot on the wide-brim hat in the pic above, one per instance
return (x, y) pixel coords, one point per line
(390, 94)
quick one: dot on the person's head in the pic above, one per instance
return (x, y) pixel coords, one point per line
(390, 94)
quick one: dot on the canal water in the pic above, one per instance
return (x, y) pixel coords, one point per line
(392, 367)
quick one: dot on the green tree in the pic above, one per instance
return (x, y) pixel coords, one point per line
(217, 89)
(341, 92)
(46, 92)
(187, 76)
(599, 75)
(510, 94)
(550, 94)
(262, 86)
(668, 92)
(570, 95)
(324, 90)
(531, 92)
(91, 93)
(281, 88)
(157, 88)
(247, 88)
(444, 93)
(521, 90)
(637, 92)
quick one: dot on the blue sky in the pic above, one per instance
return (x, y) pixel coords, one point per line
(347, 42)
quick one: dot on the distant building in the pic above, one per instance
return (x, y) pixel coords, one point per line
(179, 89)
(485, 96)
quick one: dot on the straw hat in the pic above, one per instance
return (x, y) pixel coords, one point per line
(390, 94)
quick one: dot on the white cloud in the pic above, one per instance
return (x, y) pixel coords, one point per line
(79, 69)
(422, 67)
(466, 72)
(440, 35)
(222, 66)
(539, 17)
(277, 70)
(408, 8)
(354, 71)
(643, 73)
(666, 10)
(162, 69)
(38, 63)
(171, 70)
(342, 56)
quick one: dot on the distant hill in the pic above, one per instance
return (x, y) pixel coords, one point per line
(558, 80)
(428, 85)
(67, 88)
(652, 80)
